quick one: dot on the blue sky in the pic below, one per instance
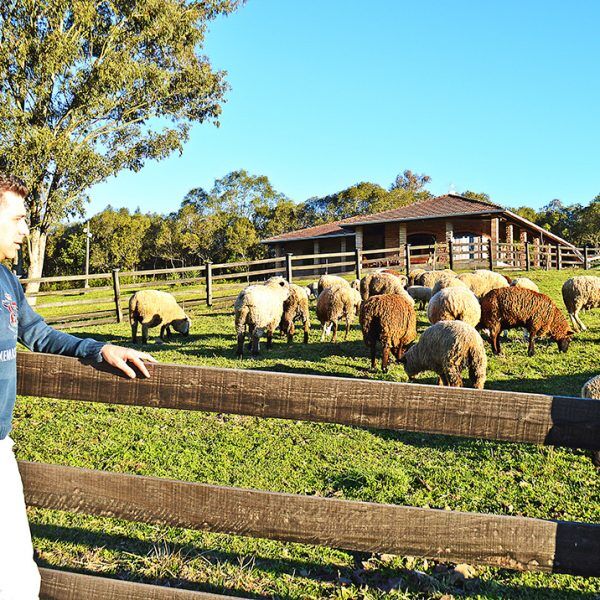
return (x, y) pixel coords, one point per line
(501, 98)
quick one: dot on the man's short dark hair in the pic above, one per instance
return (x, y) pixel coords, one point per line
(10, 183)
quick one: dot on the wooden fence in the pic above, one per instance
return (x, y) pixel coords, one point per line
(503, 541)
(218, 284)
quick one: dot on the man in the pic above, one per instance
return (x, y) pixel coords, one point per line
(19, 577)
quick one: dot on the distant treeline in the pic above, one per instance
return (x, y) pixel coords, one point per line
(227, 222)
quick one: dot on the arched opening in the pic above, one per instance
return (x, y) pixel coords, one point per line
(419, 254)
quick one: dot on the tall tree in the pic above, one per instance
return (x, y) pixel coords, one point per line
(411, 182)
(481, 196)
(91, 87)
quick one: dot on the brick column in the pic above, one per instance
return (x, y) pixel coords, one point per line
(401, 243)
(536, 252)
(522, 239)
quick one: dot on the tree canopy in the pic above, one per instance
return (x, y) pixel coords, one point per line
(91, 87)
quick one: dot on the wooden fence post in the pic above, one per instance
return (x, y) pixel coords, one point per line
(208, 265)
(288, 266)
(358, 263)
(451, 254)
(407, 258)
(527, 256)
(586, 260)
(558, 257)
(490, 254)
(117, 292)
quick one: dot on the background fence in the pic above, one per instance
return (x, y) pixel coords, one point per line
(106, 294)
(512, 542)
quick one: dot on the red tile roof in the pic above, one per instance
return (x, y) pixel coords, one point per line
(442, 206)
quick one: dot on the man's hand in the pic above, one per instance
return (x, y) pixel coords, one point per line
(117, 356)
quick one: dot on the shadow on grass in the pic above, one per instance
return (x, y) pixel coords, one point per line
(377, 576)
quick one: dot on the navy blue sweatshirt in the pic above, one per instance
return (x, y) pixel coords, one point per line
(19, 321)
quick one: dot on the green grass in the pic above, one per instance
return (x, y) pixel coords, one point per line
(313, 459)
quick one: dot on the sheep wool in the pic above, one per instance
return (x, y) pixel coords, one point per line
(334, 304)
(447, 348)
(512, 307)
(415, 274)
(454, 304)
(580, 293)
(259, 308)
(482, 281)
(331, 281)
(430, 278)
(376, 284)
(390, 321)
(295, 307)
(154, 307)
(420, 294)
(446, 282)
(397, 274)
(591, 389)
(525, 282)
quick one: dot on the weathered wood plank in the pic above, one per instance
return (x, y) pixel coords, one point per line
(62, 585)
(488, 414)
(511, 542)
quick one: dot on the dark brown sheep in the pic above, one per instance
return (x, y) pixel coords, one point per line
(510, 307)
(390, 320)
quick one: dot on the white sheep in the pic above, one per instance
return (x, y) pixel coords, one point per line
(581, 293)
(454, 303)
(591, 389)
(525, 282)
(334, 304)
(447, 348)
(259, 307)
(331, 281)
(420, 294)
(153, 307)
(448, 281)
(430, 278)
(482, 281)
(376, 284)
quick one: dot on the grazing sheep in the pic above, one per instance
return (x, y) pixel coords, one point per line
(447, 348)
(391, 321)
(355, 285)
(525, 282)
(334, 304)
(591, 389)
(420, 294)
(580, 293)
(481, 281)
(414, 274)
(295, 307)
(312, 289)
(259, 307)
(445, 282)
(376, 284)
(430, 278)
(331, 281)
(454, 304)
(512, 307)
(397, 274)
(152, 308)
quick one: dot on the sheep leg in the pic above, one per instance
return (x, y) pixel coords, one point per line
(494, 339)
(163, 331)
(385, 358)
(269, 339)
(335, 328)
(454, 378)
(134, 327)
(306, 328)
(250, 335)
(531, 349)
(373, 354)
(240, 343)
(398, 352)
(347, 328)
(324, 328)
(579, 321)
(144, 333)
(256, 341)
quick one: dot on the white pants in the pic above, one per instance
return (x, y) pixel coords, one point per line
(19, 575)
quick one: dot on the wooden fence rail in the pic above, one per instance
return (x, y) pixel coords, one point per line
(501, 541)
(456, 254)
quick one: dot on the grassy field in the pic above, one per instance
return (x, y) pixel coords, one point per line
(313, 459)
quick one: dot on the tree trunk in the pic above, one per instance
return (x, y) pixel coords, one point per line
(37, 251)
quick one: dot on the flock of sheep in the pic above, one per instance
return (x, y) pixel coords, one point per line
(457, 306)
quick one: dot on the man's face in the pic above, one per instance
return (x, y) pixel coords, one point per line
(13, 226)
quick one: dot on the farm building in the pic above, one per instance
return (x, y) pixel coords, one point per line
(437, 220)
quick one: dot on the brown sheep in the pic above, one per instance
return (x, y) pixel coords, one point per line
(295, 307)
(376, 284)
(333, 304)
(510, 307)
(390, 320)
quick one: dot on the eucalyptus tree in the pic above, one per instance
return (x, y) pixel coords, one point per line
(91, 87)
